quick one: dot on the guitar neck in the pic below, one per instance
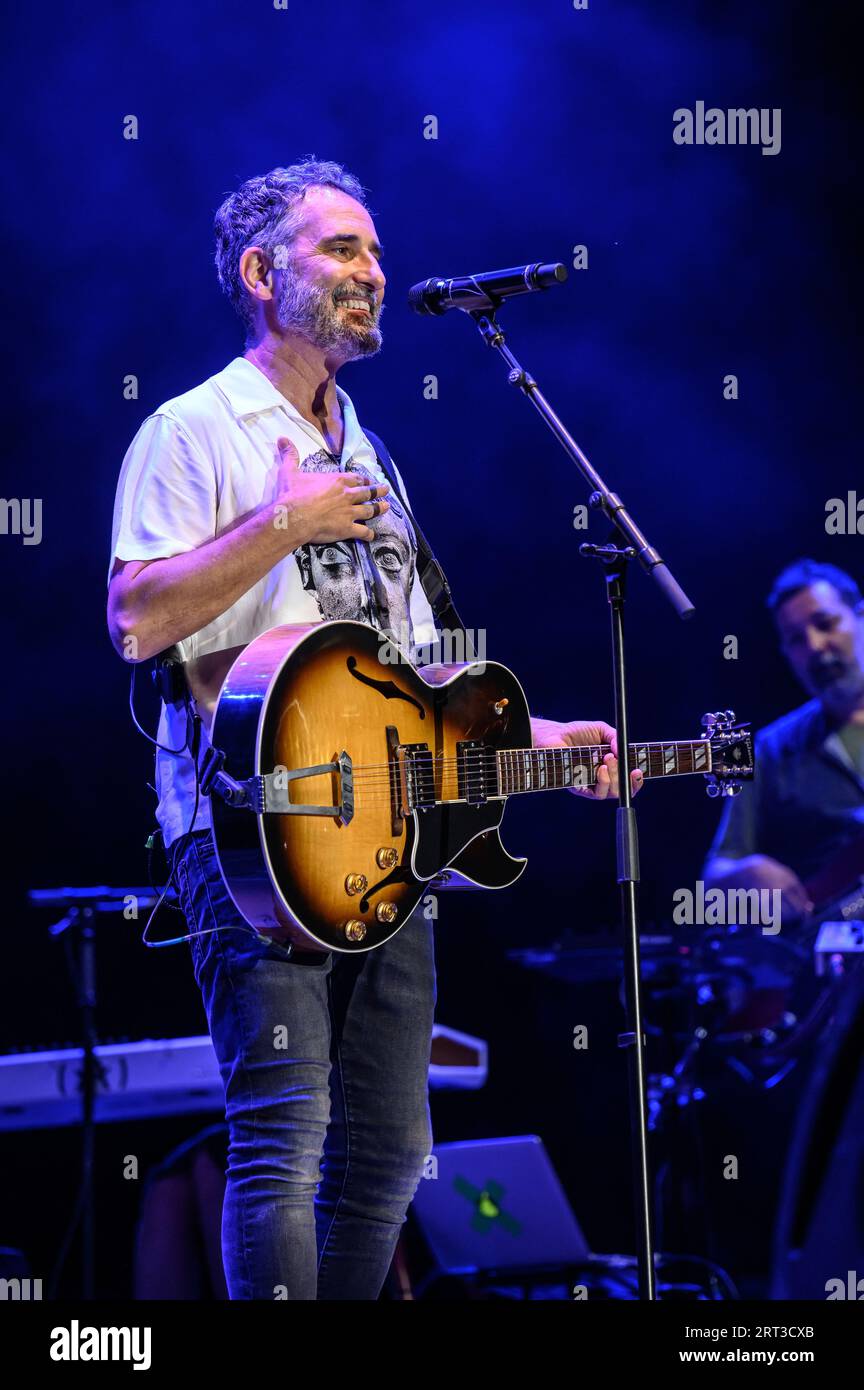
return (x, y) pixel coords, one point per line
(550, 769)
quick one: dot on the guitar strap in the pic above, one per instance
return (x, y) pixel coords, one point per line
(431, 575)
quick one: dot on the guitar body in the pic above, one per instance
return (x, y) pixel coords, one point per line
(837, 889)
(345, 784)
(302, 696)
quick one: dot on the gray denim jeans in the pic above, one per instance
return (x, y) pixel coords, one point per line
(325, 1065)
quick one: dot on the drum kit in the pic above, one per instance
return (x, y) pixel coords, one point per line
(730, 1013)
(758, 1002)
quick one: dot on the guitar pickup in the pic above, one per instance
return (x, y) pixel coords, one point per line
(476, 771)
(418, 775)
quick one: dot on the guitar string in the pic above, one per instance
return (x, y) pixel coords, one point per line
(379, 787)
(476, 769)
(573, 748)
(473, 758)
(457, 760)
(384, 796)
(478, 765)
(379, 790)
(477, 775)
(476, 783)
(503, 786)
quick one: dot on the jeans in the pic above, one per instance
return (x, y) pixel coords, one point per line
(324, 1060)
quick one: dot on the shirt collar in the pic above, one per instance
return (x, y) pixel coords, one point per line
(825, 737)
(249, 392)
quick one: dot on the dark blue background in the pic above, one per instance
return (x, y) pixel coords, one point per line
(555, 129)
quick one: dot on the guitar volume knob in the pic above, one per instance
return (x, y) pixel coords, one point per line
(386, 912)
(356, 883)
(355, 930)
(386, 858)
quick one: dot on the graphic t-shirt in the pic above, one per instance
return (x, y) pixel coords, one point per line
(209, 457)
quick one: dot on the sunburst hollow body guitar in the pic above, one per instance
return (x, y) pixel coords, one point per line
(346, 784)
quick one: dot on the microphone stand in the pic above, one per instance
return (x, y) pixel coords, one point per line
(79, 919)
(615, 559)
(80, 908)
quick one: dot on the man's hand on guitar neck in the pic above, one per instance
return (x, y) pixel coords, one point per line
(549, 733)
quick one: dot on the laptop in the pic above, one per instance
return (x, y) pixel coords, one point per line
(496, 1204)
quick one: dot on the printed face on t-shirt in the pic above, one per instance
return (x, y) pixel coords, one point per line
(332, 571)
(335, 579)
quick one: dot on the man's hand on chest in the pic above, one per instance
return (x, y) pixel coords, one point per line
(325, 506)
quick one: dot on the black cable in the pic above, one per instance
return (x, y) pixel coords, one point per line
(66, 1243)
(176, 752)
(192, 744)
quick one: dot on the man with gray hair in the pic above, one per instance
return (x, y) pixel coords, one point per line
(200, 566)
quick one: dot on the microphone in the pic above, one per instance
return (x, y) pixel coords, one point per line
(470, 292)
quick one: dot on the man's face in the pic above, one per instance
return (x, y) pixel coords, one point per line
(823, 641)
(332, 288)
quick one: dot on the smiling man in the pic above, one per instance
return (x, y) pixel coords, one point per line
(806, 801)
(252, 500)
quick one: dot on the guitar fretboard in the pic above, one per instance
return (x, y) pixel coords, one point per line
(543, 769)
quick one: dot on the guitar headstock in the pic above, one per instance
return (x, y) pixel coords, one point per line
(732, 756)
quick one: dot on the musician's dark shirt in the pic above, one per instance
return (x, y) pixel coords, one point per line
(852, 737)
(806, 800)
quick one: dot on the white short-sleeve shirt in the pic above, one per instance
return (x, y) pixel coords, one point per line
(209, 457)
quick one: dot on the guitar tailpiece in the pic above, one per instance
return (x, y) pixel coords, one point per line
(213, 779)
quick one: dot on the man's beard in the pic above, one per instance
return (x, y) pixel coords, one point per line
(311, 312)
(837, 682)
